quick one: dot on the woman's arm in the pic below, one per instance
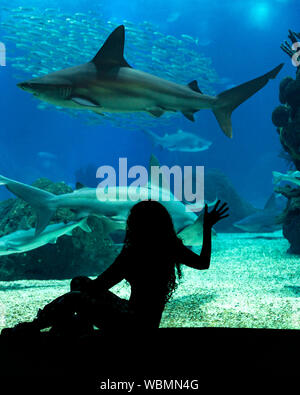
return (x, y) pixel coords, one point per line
(202, 261)
(110, 277)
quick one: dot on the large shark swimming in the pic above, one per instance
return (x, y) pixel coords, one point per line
(108, 84)
(113, 210)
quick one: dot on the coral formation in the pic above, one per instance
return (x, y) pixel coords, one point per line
(82, 254)
(281, 116)
(287, 120)
(291, 217)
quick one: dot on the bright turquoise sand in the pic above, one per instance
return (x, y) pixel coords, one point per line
(252, 283)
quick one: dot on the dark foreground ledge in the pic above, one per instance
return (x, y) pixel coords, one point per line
(174, 353)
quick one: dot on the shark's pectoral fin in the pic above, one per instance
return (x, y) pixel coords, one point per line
(84, 225)
(189, 115)
(111, 53)
(155, 111)
(44, 216)
(85, 101)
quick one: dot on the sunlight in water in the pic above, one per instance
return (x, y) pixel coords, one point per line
(260, 14)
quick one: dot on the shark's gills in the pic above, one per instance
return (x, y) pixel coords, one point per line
(229, 100)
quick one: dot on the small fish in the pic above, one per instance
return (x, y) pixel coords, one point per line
(291, 176)
(180, 141)
(46, 155)
(26, 240)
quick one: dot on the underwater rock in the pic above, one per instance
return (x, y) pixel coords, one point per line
(217, 184)
(291, 225)
(282, 88)
(82, 254)
(280, 116)
(292, 93)
(290, 141)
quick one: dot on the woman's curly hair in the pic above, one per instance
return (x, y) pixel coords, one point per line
(150, 229)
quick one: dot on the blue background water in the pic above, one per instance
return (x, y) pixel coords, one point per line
(241, 37)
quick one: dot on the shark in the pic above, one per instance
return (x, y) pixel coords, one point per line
(180, 141)
(291, 176)
(108, 84)
(113, 208)
(26, 240)
(266, 220)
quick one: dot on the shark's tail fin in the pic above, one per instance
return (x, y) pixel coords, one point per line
(229, 100)
(42, 202)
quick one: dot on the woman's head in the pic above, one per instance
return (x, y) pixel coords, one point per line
(149, 223)
(150, 234)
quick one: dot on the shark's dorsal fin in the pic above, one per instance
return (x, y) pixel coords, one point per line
(194, 86)
(153, 161)
(79, 185)
(275, 202)
(111, 53)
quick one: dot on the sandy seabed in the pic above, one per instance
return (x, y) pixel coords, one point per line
(252, 283)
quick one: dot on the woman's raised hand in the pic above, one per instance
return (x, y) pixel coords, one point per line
(216, 214)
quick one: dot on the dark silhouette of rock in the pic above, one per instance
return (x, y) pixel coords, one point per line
(280, 116)
(282, 89)
(292, 94)
(291, 217)
(290, 139)
(217, 184)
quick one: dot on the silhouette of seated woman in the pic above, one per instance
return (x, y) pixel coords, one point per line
(150, 261)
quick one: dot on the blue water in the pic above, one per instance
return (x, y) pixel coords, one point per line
(243, 40)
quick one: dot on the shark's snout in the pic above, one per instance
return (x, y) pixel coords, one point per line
(26, 86)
